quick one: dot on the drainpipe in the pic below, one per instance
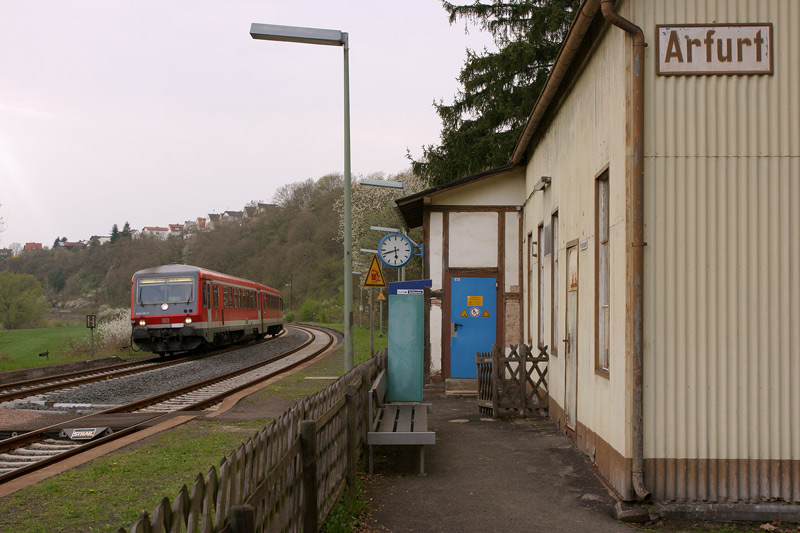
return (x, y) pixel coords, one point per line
(637, 242)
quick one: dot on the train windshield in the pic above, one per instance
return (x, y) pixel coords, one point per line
(166, 290)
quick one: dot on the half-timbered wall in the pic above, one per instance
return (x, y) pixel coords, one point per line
(475, 227)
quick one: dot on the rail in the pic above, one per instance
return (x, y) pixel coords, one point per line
(35, 437)
(286, 478)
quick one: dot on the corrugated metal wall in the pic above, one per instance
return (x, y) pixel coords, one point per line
(722, 263)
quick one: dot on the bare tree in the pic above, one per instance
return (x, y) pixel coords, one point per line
(2, 222)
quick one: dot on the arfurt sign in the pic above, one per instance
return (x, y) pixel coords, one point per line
(714, 49)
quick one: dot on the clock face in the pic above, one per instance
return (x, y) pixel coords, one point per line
(395, 250)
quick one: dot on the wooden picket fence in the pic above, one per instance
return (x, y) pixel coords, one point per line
(288, 477)
(515, 382)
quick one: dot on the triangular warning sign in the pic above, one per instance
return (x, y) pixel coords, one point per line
(374, 275)
(463, 313)
(486, 313)
(381, 296)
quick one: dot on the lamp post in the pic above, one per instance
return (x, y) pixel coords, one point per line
(296, 34)
(391, 185)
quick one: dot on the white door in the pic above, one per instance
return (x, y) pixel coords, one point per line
(571, 340)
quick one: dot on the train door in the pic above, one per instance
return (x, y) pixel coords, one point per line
(223, 301)
(261, 311)
(207, 299)
(213, 304)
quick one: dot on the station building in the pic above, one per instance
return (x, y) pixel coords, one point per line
(647, 231)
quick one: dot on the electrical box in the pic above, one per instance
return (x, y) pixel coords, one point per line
(405, 360)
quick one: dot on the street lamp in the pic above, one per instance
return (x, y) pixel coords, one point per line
(391, 185)
(295, 34)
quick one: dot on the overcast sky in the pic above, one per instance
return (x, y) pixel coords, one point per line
(161, 111)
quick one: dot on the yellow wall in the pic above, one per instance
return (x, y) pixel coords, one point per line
(585, 137)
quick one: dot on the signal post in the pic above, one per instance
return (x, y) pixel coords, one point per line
(374, 279)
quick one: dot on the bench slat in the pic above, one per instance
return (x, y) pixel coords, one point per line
(387, 421)
(404, 418)
(420, 418)
(410, 438)
(379, 388)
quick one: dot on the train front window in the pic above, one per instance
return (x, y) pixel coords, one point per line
(166, 290)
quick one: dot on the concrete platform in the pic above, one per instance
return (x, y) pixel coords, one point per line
(487, 475)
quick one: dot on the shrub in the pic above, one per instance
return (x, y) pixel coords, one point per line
(110, 336)
(310, 311)
(115, 331)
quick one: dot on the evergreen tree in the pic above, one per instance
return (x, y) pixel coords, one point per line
(126, 231)
(114, 233)
(482, 125)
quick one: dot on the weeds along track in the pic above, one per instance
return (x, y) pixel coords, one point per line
(32, 450)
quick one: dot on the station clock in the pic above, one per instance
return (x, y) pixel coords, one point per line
(395, 250)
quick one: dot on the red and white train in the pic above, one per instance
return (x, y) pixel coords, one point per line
(176, 308)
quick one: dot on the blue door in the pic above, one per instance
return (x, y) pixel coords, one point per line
(473, 322)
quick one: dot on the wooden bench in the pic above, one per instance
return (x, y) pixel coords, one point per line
(397, 423)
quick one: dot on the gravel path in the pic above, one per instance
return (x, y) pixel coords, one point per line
(131, 388)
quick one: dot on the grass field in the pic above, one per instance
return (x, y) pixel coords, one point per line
(361, 341)
(20, 348)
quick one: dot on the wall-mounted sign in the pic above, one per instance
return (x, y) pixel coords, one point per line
(713, 49)
(475, 300)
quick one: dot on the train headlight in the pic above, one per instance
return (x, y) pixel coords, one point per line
(142, 322)
(188, 320)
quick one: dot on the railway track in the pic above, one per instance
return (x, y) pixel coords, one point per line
(32, 387)
(30, 451)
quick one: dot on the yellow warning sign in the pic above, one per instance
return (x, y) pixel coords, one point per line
(474, 301)
(486, 313)
(374, 275)
(381, 296)
(463, 313)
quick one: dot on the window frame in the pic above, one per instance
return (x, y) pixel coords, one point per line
(602, 351)
(554, 300)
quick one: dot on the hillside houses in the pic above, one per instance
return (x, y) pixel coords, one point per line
(184, 230)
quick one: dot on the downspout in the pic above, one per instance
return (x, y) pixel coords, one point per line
(637, 242)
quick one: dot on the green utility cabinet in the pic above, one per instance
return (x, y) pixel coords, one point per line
(406, 357)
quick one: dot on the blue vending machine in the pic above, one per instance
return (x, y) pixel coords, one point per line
(406, 357)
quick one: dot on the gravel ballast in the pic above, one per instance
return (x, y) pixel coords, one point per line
(135, 387)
